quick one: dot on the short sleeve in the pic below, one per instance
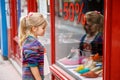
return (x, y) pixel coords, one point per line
(33, 57)
(33, 52)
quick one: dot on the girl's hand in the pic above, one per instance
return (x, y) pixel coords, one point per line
(36, 73)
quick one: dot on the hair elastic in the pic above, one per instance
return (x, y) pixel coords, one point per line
(97, 12)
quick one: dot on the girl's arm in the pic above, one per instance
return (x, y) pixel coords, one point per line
(35, 72)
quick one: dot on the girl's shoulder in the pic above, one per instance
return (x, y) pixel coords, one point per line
(31, 42)
(99, 37)
(83, 37)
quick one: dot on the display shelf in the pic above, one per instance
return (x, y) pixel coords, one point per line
(65, 66)
(60, 74)
(81, 77)
(70, 69)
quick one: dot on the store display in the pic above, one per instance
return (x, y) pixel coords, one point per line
(84, 70)
(91, 68)
(95, 57)
(92, 74)
(80, 77)
(99, 64)
(78, 47)
(73, 58)
(71, 70)
(72, 53)
(89, 63)
(81, 67)
(96, 68)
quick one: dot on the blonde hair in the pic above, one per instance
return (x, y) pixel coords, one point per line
(95, 18)
(26, 24)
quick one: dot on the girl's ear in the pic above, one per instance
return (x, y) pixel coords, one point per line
(34, 29)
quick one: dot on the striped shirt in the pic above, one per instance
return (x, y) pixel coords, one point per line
(33, 56)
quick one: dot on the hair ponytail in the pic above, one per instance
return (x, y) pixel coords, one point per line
(22, 31)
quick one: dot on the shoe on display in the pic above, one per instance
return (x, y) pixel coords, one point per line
(73, 52)
(90, 68)
(73, 59)
(81, 67)
(84, 70)
(95, 57)
(90, 64)
(99, 64)
(96, 68)
(92, 74)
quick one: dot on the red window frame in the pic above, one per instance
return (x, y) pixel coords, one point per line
(107, 36)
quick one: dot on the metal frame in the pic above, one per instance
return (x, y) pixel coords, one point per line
(13, 25)
(4, 43)
(107, 39)
(32, 5)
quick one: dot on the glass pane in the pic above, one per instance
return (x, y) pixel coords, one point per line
(23, 8)
(75, 44)
(43, 8)
(68, 33)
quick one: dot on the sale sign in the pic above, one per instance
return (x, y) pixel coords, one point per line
(72, 10)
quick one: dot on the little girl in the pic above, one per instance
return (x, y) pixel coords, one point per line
(91, 42)
(32, 26)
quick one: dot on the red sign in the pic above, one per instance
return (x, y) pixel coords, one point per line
(71, 10)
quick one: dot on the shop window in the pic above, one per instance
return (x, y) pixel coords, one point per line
(77, 52)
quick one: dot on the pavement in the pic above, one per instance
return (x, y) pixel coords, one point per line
(8, 71)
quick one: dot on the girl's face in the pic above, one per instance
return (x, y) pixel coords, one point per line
(91, 28)
(40, 30)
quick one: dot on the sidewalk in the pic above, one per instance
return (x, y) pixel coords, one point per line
(8, 71)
